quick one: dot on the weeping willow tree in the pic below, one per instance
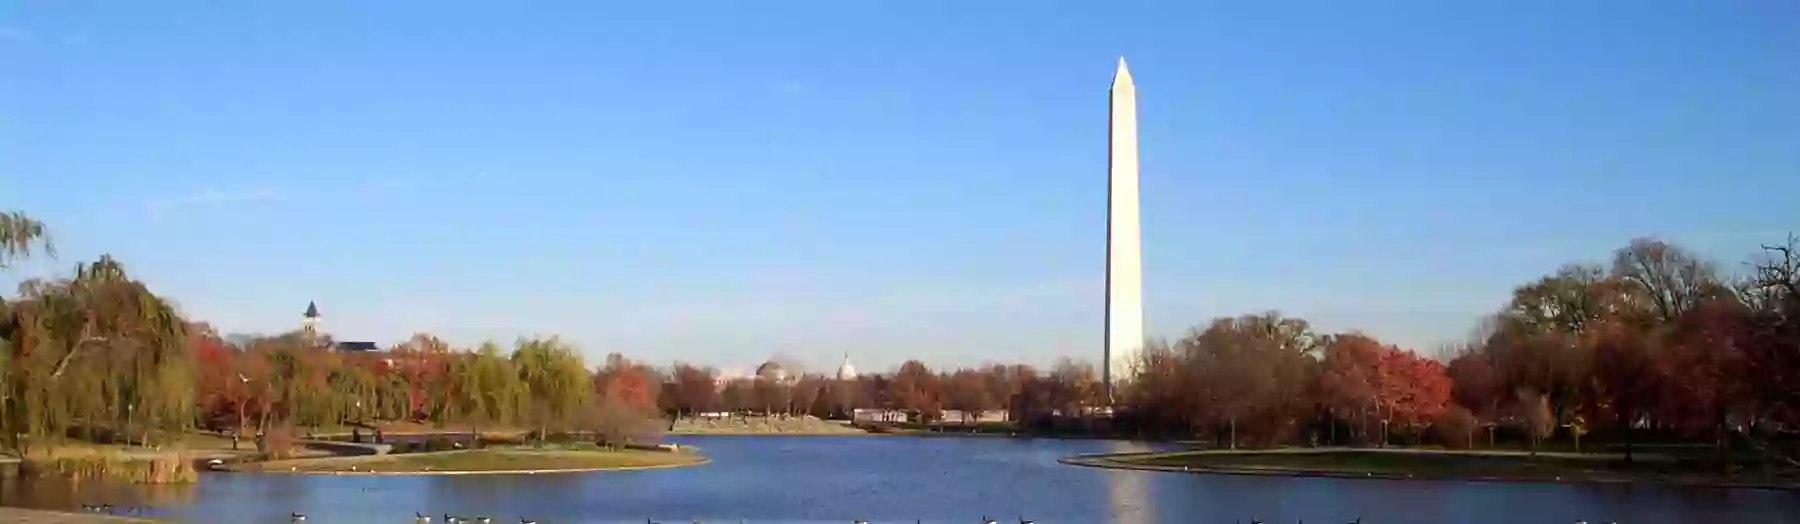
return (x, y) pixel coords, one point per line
(19, 234)
(93, 356)
(486, 389)
(554, 380)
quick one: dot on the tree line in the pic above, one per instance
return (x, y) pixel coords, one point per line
(1656, 342)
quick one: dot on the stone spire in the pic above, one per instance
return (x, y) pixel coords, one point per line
(1124, 255)
(309, 321)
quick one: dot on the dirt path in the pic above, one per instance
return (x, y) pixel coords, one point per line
(9, 515)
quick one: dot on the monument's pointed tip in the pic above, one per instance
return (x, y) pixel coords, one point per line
(1123, 75)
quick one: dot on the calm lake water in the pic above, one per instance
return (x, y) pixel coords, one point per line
(900, 479)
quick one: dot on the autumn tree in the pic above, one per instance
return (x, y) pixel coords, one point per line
(806, 394)
(1349, 381)
(966, 390)
(914, 389)
(1665, 280)
(1254, 368)
(1077, 387)
(1627, 376)
(630, 383)
(695, 389)
(623, 409)
(1476, 385)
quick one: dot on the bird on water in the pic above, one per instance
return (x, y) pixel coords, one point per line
(297, 517)
(522, 520)
(421, 518)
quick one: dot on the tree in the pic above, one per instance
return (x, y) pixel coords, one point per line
(1477, 386)
(1539, 421)
(630, 383)
(1077, 387)
(914, 389)
(19, 234)
(695, 389)
(555, 381)
(1667, 280)
(100, 351)
(1626, 376)
(1348, 378)
(486, 387)
(1254, 368)
(806, 394)
(966, 391)
(1707, 362)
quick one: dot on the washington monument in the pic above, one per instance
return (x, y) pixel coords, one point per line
(1124, 258)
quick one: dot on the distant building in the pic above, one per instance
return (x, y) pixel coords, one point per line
(309, 327)
(309, 321)
(973, 417)
(356, 346)
(878, 415)
(772, 372)
(845, 370)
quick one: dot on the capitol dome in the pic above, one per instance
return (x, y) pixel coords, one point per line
(771, 371)
(846, 371)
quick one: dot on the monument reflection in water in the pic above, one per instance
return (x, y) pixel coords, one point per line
(1128, 493)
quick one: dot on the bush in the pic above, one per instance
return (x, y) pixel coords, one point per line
(278, 443)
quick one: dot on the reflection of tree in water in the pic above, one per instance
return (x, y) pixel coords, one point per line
(63, 494)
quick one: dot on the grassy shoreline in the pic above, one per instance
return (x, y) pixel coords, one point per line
(481, 461)
(1438, 465)
(44, 516)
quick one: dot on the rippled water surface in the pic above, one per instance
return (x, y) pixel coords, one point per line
(900, 479)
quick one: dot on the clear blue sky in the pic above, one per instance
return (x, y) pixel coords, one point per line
(722, 181)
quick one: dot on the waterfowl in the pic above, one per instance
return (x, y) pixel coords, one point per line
(297, 517)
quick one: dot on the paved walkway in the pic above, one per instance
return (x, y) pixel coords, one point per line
(338, 447)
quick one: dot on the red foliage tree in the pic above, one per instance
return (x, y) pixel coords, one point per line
(626, 382)
(1706, 365)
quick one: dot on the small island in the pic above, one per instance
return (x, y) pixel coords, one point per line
(1440, 464)
(493, 461)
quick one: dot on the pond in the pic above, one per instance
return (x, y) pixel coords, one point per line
(903, 479)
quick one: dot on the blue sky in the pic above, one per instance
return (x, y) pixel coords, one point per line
(718, 182)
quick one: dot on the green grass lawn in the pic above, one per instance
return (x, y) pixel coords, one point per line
(1440, 465)
(509, 459)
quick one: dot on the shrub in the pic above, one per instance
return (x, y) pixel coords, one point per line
(278, 443)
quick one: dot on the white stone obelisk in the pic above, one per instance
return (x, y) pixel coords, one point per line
(1124, 257)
